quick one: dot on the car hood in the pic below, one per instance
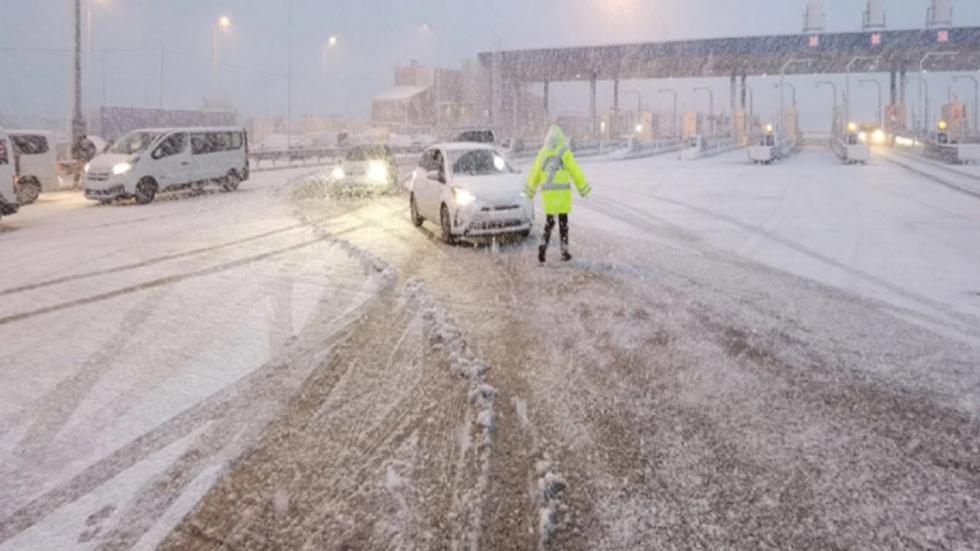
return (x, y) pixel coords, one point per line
(106, 161)
(495, 189)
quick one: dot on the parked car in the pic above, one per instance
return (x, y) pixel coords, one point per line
(146, 162)
(472, 191)
(8, 175)
(38, 168)
(367, 168)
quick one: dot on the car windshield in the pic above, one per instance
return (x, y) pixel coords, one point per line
(134, 143)
(367, 153)
(480, 162)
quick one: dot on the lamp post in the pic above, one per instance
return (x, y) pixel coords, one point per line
(711, 105)
(673, 121)
(791, 89)
(922, 70)
(976, 98)
(78, 130)
(782, 77)
(864, 81)
(223, 24)
(850, 65)
(639, 104)
(330, 44)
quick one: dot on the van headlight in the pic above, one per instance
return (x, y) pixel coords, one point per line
(463, 197)
(377, 172)
(122, 168)
(338, 173)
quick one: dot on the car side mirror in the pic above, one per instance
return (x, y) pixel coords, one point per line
(436, 175)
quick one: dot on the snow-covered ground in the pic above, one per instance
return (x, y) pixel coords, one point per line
(739, 356)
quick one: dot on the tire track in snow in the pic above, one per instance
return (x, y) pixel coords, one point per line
(236, 409)
(961, 324)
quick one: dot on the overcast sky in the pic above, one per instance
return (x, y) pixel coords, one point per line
(373, 35)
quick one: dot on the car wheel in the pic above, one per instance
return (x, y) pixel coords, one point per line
(447, 227)
(27, 191)
(146, 191)
(231, 182)
(416, 217)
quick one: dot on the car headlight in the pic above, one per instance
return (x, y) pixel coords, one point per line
(338, 173)
(122, 168)
(463, 197)
(879, 137)
(377, 172)
(863, 136)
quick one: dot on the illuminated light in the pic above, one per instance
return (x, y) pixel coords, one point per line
(87, 166)
(499, 163)
(878, 137)
(377, 172)
(943, 125)
(851, 127)
(904, 142)
(942, 36)
(814, 41)
(876, 39)
(769, 129)
(224, 22)
(332, 41)
(338, 173)
(639, 128)
(863, 136)
(463, 197)
(122, 168)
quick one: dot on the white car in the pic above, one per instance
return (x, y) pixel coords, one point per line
(38, 169)
(8, 175)
(472, 191)
(368, 169)
(146, 162)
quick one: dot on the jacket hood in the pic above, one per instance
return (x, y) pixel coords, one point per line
(555, 139)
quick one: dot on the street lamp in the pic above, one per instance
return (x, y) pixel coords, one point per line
(833, 85)
(782, 77)
(791, 88)
(222, 25)
(711, 105)
(89, 8)
(673, 122)
(330, 44)
(922, 70)
(751, 101)
(976, 97)
(864, 81)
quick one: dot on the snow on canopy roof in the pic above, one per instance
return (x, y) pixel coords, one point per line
(401, 93)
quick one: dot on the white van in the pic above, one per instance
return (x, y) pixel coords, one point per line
(8, 175)
(146, 162)
(38, 168)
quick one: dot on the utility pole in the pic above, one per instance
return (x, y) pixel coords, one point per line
(289, 90)
(162, 53)
(78, 130)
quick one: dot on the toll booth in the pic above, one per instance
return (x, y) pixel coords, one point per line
(692, 124)
(896, 119)
(954, 120)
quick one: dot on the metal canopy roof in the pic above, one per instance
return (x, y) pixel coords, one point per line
(756, 55)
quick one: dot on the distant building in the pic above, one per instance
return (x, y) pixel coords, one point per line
(423, 99)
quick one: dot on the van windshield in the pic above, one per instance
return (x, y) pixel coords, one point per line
(134, 143)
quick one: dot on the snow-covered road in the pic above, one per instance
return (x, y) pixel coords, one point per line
(740, 357)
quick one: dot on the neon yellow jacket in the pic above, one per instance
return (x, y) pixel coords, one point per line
(554, 171)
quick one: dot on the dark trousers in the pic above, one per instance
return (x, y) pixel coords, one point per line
(549, 226)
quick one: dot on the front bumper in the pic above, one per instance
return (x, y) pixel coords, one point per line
(107, 194)
(8, 207)
(490, 220)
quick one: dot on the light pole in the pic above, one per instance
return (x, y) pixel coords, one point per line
(782, 77)
(289, 89)
(864, 81)
(711, 105)
(792, 89)
(847, 101)
(330, 44)
(751, 106)
(223, 24)
(639, 103)
(976, 98)
(922, 70)
(673, 121)
(89, 8)
(78, 130)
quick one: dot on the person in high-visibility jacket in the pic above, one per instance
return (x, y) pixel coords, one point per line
(554, 172)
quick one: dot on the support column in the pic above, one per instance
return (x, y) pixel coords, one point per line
(595, 113)
(733, 94)
(613, 129)
(893, 89)
(744, 93)
(547, 98)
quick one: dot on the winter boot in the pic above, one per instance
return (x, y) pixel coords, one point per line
(565, 255)
(542, 251)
